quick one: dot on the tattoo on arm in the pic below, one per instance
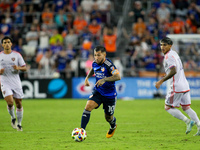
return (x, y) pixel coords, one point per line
(91, 72)
(112, 78)
(171, 74)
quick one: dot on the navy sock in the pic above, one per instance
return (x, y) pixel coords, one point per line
(85, 118)
(113, 122)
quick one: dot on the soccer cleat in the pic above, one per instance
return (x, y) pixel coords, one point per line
(189, 126)
(19, 128)
(198, 133)
(111, 132)
(13, 123)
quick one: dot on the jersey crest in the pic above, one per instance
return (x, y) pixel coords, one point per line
(13, 59)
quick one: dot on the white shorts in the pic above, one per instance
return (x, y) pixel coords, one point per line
(17, 92)
(176, 99)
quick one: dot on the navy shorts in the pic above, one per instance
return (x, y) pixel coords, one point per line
(108, 104)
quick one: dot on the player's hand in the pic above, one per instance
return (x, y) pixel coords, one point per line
(15, 67)
(158, 84)
(87, 82)
(2, 71)
(100, 82)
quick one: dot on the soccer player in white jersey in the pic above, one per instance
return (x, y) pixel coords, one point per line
(10, 64)
(179, 92)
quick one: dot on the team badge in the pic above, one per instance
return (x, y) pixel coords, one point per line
(102, 69)
(4, 92)
(13, 59)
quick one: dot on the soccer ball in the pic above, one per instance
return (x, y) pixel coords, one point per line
(79, 134)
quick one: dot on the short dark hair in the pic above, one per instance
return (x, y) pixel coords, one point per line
(167, 41)
(100, 48)
(5, 38)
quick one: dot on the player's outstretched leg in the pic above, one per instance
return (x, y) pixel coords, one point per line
(113, 127)
(192, 114)
(12, 114)
(189, 126)
(85, 118)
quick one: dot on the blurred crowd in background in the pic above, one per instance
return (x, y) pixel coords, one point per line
(57, 37)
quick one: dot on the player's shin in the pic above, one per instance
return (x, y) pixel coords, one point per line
(11, 111)
(85, 118)
(192, 114)
(178, 114)
(19, 113)
(113, 122)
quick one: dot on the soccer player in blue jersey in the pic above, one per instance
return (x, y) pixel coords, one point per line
(104, 91)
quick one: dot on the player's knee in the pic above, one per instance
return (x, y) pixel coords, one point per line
(167, 107)
(185, 108)
(10, 104)
(108, 118)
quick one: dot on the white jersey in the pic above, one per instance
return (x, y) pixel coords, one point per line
(178, 83)
(10, 77)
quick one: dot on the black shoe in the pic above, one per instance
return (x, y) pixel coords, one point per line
(13, 123)
(19, 128)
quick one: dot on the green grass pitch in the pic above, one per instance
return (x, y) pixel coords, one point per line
(142, 125)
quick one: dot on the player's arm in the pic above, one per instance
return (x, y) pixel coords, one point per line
(168, 76)
(115, 77)
(91, 72)
(21, 68)
(1, 71)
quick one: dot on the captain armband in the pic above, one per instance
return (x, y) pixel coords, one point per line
(115, 72)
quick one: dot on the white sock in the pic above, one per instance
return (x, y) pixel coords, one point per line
(192, 114)
(19, 113)
(11, 111)
(178, 114)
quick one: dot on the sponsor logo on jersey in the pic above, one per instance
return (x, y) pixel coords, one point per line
(102, 69)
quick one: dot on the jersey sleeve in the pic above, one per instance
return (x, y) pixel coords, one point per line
(112, 69)
(21, 61)
(171, 62)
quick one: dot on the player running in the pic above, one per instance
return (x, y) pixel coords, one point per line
(104, 91)
(10, 64)
(179, 93)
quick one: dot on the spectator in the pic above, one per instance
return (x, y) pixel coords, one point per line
(46, 62)
(163, 12)
(88, 63)
(79, 24)
(150, 61)
(19, 16)
(178, 26)
(55, 37)
(95, 13)
(32, 37)
(118, 64)
(109, 41)
(152, 25)
(181, 8)
(59, 4)
(137, 11)
(44, 36)
(5, 28)
(60, 20)
(47, 15)
(71, 38)
(95, 29)
(87, 5)
(191, 24)
(139, 27)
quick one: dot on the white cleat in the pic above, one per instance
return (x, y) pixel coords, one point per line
(13, 123)
(198, 133)
(189, 126)
(19, 128)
